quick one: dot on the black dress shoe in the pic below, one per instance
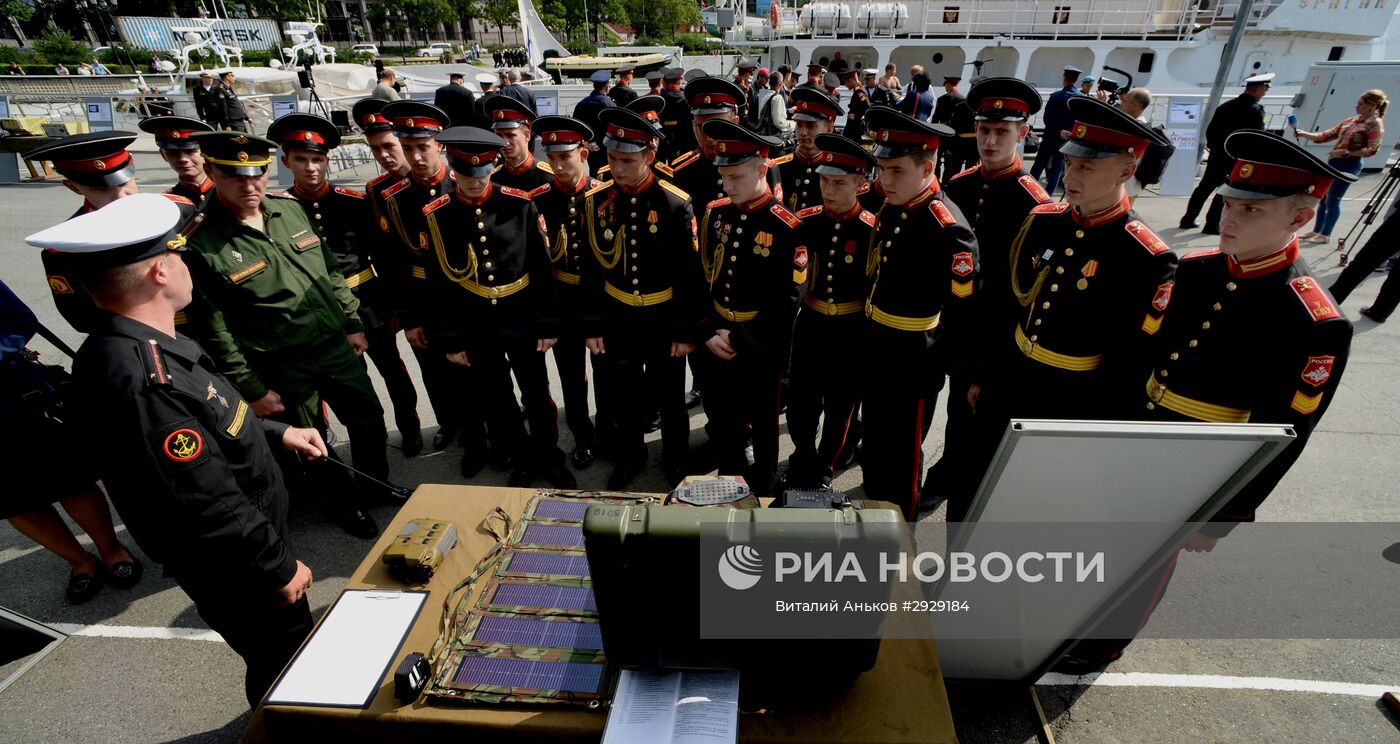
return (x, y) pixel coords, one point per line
(582, 458)
(358, 523)
(1366, 311)
(692, 399)
(559, 476)
(473, 460)
(125, 574)
(625, 472)
(521, 478)
(82, 587)
(412, 445)
(444, 436)
(653, 423)
(1184, 225)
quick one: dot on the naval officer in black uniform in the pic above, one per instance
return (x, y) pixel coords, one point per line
(185, 460)
(1237, 114)
(342, 219)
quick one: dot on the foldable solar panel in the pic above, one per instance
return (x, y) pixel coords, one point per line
(561, 509)
(530, 674)
(553, 535)
(546, 564)
(520, 597)
(525, 631)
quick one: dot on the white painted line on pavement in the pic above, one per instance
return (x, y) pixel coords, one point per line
(135, 631)
(1216, 682)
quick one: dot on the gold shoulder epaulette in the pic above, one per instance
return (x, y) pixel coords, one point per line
(599, 187)
(674, 189)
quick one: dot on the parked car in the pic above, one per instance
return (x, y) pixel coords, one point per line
(435, 49)
(365, 49)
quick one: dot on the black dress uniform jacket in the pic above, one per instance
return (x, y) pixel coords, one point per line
(531, 176)
(622, 94)
(755, 266)
(1259, 341)
(562, 210)
(802, 185)
(676, 124)
(399, 203)
(698, 176)
(196, 194)
(855, 115)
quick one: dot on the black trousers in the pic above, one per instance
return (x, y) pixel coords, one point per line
(571, 359)
(640, 377)
(1217, 171)
(1383, 243)
(894, 413)
(255, 626)
(742, 396)
(384, 352)
(822, 393)
(950, 478)
(494, 357)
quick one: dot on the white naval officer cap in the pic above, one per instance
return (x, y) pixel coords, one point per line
(1263, 78)
(123, 232)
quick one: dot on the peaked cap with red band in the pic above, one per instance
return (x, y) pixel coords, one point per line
(96, 159)
(173, 132)
(561, 133)
(842, 156)
(304, 132)
(810, 104)
(1102, 131)
(1003, 99)
(896, 135)
(735, 144)
(369, 116)
(415, 118)
(471, 150)
(1270, 167)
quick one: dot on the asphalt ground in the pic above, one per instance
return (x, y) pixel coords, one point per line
(166, 686)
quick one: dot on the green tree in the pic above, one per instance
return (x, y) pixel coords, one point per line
(499, 13)
(57, 46)
(15, 11)
(659, 19)
(395, 16)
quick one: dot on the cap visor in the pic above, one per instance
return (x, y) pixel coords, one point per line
(473, 171)
(561, 147)
(1000, 116)
(244, 170)
(723, 160)
(707, 110)
(507, 124)
(105, 180)
(1238, 193)
(832, 170)
(808, 117)
(180, 145)
(885, 151)
(1079, 150)
(623, 145)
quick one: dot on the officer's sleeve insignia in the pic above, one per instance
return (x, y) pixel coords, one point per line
(867, 217)
(962, 263)
(966, 172)
(1050, 208)
(723, 200)
(1315, 299)
(799, 265)
(809, 212)
(1148, 239)
(60, 285)
(1163, 297)
(349, 192)
(1318, 370)
(517, 193)
(1033, 188)
(941, 213)
(428, 208)
(787, 217)
(1201, 254)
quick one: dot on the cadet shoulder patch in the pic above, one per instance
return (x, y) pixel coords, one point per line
(599, 187)
(396, 188)
(1206, 253)
(787, 217)
(1033, 188)
(1315, 299)
(517, 193)
(1148, 239)
(779, 161)
(676, 190)
(941, 213)
(966, 172)
(1318, 370)
(178, 199)
(1050, 208)
(343, 191)
(723, 200)
(963, 263)
(803, 214)
(437, 203)
(1163, 297)
(867, 217)
(532, 193)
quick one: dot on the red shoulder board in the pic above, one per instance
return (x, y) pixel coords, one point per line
(378, 179)
(1315, 299)
(537, 191)
(944, 217)
(1050, 208)
(864, 187)
(349, 192)
(718, 202)
(1033, 188)
(396, 188)
(663, 169)
(438, 202)
(1207, 253)
(809, 212)
(787, 217)
(178, 199)
(867, 217)
(1149, 240)
(517, 193)
(684, 160)
(962, 173)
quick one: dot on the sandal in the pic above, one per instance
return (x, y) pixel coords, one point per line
(1308, 235)
(125, 574)
(1320, 239)
(82, 587)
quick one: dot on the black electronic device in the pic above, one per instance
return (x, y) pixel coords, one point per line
(797, 498)
(411, 676)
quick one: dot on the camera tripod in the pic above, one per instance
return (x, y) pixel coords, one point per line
(1375, 207)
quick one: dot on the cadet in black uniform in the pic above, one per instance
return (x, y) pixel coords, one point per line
(181, 153)
(1237, 114)
(952, 109)
(1089, 282)
(654, 79)
(184, 459)
(561, 203)
(995, 197)
(441, 381)
(695, 172)
(855, 110)
(743, 80)
(755, 265)
(814, 113)
(587, 111)
(511, 120)
(622, 93)
(340, 217)
(675, 118)
(831, 325)
(643, 296)
(923, 271)
(98, 168)
(493, 301)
